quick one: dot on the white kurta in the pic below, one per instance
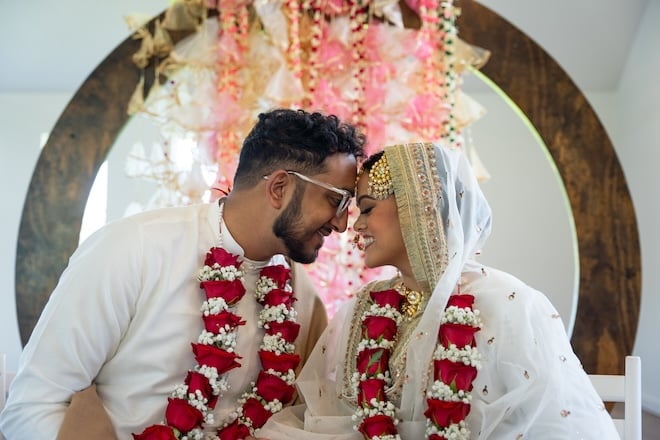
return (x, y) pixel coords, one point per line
(123, 315)
(531, 384)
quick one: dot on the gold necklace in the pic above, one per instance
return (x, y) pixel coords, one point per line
(413, 300)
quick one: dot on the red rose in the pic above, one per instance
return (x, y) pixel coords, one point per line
(464, 300)
(443, 413)
(278, 296)
(458, 334)
(436, 437)
(373, 361)
(230, 291)
(379, 327)
(377, 425)
(279, 274)
(391, 297)
(182, 416)
(198, 382)
(278, 362)
(215, 357)
(369, 389)
(213, 323)
(457, 375)
(288, 330)
(234, 431)
(271, 387)
(222, 257)
(255, 411)
(156, 432)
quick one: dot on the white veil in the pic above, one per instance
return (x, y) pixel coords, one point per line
(436, 185)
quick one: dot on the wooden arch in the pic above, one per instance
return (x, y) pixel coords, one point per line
(609, 256)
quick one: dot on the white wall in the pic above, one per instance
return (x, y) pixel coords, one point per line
(638, 146)
(630, 116)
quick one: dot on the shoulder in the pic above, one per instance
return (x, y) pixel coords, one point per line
(516, 318)
(499, 294)
(159, 224)
(161, 218)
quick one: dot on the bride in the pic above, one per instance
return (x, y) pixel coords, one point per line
(449, 348)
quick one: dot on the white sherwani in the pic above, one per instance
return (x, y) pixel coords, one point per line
(123, 316)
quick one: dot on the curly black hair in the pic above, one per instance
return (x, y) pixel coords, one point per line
(294, 140)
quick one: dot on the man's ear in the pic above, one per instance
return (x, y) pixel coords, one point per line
(277, 186)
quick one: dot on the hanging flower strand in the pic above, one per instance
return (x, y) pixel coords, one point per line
(314, 47)
(448, 36)
(359, 25)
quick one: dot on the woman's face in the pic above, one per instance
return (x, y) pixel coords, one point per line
(379, 229)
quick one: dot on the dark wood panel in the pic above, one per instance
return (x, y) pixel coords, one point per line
(609, 255)
(64, 173)
(610, 274)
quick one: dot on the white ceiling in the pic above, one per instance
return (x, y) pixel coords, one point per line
(51, 46)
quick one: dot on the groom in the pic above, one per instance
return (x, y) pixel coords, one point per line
(138, 335)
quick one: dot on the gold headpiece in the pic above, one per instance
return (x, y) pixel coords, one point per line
(380, 181)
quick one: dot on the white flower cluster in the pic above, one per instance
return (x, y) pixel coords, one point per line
(273, 406)
(442, 391)
(373, 343)
(277, 344)
(219, 273)
(467, 355)
(264, 285)
(356, 378)
(278, 313)
(388, 311)
(218, 384)
(195, 434)
(377, 407)
(461, 315)
(225, 339)
(214, 306)
(289, 377)
(455, 431)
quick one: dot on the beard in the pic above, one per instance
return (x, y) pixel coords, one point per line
(288, 227)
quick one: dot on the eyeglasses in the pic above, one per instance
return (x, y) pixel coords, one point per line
(345, 195)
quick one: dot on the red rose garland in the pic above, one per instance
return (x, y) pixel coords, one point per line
(188, 408)
(375, 414)
(455, 365)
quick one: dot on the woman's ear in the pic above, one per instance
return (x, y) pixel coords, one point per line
(277, 187)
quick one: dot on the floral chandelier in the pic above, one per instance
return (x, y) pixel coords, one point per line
(352, 58)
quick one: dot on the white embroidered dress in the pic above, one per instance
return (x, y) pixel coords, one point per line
(530, 385)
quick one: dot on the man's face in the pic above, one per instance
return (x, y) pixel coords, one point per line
(311, 214)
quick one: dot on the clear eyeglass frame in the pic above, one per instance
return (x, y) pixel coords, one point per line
(346, 196)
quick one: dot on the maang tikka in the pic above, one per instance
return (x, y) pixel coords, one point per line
(380, 181)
